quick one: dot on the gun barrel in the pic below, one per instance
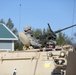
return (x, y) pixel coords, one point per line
(50, 28)
(64, 28)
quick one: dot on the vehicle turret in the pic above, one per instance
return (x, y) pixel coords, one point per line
(52, 34)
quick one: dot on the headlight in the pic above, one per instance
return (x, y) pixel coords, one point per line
(59, 62)
(62, 54)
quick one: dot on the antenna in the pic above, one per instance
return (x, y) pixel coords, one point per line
(73, 18)
(19, 16)
(73, 13)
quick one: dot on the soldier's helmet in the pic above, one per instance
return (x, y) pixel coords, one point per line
(52, 43)
(27, 28)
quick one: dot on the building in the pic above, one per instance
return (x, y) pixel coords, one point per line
(7, 38)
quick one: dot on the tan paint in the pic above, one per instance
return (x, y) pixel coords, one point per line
(31, 61)
(24, 39)
(26, 63)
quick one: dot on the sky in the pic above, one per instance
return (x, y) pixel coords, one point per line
(37, 13)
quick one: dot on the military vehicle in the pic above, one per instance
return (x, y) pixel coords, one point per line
(30, 61)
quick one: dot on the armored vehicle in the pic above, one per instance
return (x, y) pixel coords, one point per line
(30, 61)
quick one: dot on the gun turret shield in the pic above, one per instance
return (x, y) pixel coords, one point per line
(24, 39)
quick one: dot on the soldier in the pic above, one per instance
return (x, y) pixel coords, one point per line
(34, 42)
(51, 44)
(14, 71)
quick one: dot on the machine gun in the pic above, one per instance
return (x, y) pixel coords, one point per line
(52, 34)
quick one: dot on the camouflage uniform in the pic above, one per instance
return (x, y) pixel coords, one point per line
(34, 42)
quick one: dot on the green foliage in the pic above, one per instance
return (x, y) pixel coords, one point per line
(9, 24)
(47, 31)
(18, 45)
(45, 39)
(15, 31)
(37, 32)
(2, 21)
(62, 39)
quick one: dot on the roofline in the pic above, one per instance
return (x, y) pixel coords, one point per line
(16, 38)
(8, 39)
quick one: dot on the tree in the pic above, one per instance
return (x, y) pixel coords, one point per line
(18, 45)
(62, 39)
(2, 21)
(37, 32)
(10, 25)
